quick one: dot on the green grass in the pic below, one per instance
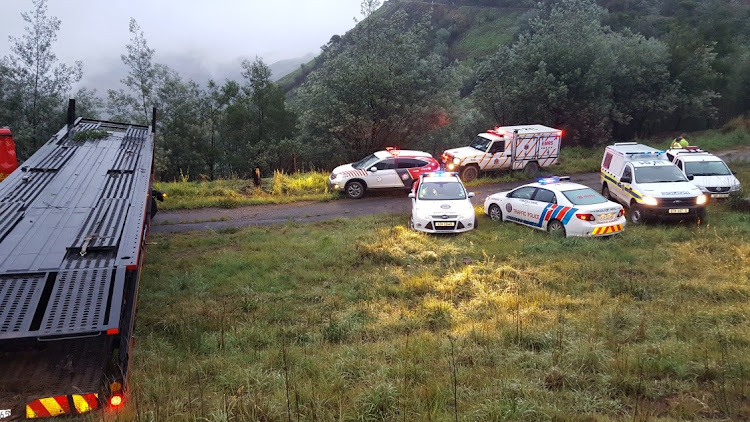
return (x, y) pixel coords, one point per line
(491, 29)
(353, 320)
(281, 188)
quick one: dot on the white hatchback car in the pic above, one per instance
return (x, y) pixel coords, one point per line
(558, 206)
(440, 204)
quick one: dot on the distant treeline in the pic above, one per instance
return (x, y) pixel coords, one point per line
(426, 75)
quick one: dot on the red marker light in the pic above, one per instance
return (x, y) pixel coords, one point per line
(115, 401)
(559, 133)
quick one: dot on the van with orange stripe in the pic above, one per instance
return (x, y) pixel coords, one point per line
(74, 220)
(524, 147)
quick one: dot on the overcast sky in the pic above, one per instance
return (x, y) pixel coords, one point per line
(198, 38)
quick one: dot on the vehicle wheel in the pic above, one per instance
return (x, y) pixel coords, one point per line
(355, 189)
(605, 192)
(496, 214)
(469, 173)
(531, 169)
(556, 228)
(636, 214)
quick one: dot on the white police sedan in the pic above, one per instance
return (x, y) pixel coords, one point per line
(440, 204)
(558, 206)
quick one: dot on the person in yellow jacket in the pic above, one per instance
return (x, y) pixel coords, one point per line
(679, 142)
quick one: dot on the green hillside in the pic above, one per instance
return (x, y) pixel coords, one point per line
(469, 32)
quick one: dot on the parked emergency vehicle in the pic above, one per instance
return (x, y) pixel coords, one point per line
(8, 159)
(558, 206)
(389, 169)
(707, 171)
(645, 181)
(525, 147)
(440, 204)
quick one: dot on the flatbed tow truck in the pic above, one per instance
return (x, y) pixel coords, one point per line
(74, 220)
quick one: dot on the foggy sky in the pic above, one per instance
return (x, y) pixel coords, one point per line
(198, 39)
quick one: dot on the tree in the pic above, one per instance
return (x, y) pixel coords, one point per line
(385, 88)
(141, 80)
(570, 71)
(36, 83)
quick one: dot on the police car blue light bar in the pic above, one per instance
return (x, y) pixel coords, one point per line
(553, 180)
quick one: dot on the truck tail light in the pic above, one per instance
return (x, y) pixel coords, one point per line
(116, 401)
(585, 217)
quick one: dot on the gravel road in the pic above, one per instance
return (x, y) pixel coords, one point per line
(264, 215)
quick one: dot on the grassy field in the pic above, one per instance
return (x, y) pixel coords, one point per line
(365, 320)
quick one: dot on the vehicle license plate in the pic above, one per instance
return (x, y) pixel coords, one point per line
(606, 218)
(719, 195)
(679, 211)
(443, 224)
(5, 413)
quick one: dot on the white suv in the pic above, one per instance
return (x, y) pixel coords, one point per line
(706, 171)
(389, 169)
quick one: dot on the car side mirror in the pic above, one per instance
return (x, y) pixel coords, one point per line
(626, 179)
(690, 177)
(471, 194)
(373, 169)
(412, 195)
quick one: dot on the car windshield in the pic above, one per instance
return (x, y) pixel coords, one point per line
(481, 143)
(366, 162)
(441, 191)
(659, 174)
(585, 196)
(707, 168)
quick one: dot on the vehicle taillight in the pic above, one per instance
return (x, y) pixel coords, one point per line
(585, 217)
(621, 213)
(559, 133)
(115, 401)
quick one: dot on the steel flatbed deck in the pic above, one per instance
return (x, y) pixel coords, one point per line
(73, 222)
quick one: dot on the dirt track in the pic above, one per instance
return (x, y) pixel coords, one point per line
(264, 215)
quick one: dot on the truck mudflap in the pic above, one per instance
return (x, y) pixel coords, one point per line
(41, 379)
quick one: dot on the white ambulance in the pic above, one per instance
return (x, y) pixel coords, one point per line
(525, 147)
(707, 171)
(644, 180)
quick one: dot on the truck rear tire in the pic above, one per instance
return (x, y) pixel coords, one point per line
(531, 169)
(469, 173)
(605, 192)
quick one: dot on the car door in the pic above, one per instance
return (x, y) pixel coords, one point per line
(539, 205)
(382, 174)
(620, 190)
(499, 156)
(517, 205)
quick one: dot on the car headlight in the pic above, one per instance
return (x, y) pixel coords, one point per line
(467, 214)
(456, 161)
(649, 200)
(701, 199)
(424, 215)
